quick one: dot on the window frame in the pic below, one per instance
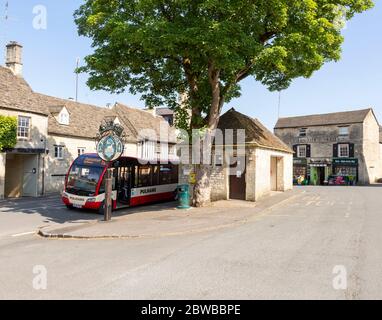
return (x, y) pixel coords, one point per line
(299, 147)
(66, 117)
(27, 128)
(302, 132)
(339, 150)
(343, 134)
(57, 154)
(81, 151)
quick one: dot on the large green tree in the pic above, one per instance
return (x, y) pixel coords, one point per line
(203, 49)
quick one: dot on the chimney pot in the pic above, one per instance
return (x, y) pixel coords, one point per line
(14, 58)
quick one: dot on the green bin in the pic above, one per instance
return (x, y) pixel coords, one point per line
(184, 196)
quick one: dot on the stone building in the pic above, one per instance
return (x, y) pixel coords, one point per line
(52, 132)
(335, 148)
(250, 171)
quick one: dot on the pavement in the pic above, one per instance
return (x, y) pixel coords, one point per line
(161, 220)
(294, 250)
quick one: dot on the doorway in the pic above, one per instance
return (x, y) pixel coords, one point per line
(237, 183)
(276, 173)
(21, 175)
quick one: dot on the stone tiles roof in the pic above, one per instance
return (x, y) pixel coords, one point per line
(16, 94)
(337, 118)
(255, 132)
(85, 119)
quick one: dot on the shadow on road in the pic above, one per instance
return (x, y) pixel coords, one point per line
(51, 208)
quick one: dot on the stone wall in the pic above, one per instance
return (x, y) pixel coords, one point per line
(364, 136)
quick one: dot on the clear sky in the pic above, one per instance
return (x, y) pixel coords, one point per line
(50, 58)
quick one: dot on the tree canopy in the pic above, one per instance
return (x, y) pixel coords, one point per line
(204, 48)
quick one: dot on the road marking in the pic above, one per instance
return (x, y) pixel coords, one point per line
(23, 234)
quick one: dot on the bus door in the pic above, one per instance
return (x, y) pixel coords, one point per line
(124, 185)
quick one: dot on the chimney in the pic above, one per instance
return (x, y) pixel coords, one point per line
(14, 59)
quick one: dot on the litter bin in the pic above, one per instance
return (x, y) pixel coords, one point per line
(184, 196)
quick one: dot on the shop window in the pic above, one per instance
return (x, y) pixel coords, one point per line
(343, 131)
(343, 150)
(23, 127)
(302, 132)
(301, 151)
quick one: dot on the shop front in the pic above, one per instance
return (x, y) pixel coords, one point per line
(320, 170)
(345, 171)
(300, 171)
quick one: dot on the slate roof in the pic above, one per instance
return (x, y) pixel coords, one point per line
(255, 131)
(347, 117)
(85, 119)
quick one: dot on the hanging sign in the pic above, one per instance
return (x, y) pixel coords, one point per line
(110, 145)
(110, 148)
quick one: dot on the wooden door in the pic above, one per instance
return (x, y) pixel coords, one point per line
(237, 184)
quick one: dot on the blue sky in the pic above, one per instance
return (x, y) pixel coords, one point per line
(50, 57)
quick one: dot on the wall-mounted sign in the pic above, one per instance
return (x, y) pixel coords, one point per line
(345, 162)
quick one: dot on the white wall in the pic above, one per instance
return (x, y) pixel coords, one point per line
(263, 169)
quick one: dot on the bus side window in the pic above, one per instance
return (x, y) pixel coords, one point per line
(144, 179)
(155, 175)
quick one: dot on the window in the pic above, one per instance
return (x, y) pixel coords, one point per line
(59, 152)
(168, 174)
(23, 127)
(301, 151)
(302, 132)
(343, 151)
(343, 131)
(64, 118)
(81, 151)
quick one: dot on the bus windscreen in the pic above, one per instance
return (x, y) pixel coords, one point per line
(83, 180)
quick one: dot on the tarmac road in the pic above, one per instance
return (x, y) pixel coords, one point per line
(291, 252)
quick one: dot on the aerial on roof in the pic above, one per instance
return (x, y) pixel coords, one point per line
(255, 131)
(347, 117)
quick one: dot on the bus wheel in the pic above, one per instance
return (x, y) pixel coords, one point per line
(70, 207)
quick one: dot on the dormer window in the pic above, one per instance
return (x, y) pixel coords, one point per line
(63, 117)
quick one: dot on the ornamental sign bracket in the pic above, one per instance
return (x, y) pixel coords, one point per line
(110, 147)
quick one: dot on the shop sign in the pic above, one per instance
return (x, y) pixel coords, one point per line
(345, 162)
(298, 161)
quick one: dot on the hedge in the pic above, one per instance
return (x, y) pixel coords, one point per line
(8, 132)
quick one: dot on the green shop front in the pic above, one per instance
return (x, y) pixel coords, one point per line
(347, 168)
(320, 170)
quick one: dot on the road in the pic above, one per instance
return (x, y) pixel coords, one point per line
(288, 253)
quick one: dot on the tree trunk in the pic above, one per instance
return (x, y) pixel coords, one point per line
(202, 188)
